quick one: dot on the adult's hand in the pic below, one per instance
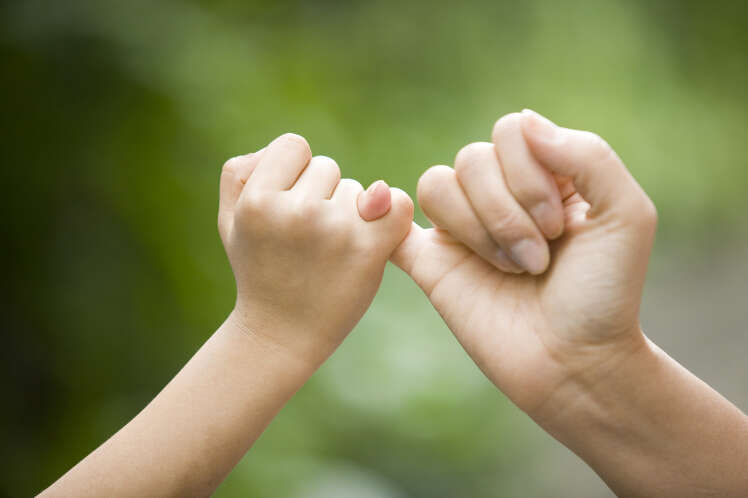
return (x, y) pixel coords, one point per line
(554, 323)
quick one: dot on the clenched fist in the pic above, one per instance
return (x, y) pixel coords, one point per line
(306, 263)
(537, 259)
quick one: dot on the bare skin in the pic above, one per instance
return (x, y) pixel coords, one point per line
(308, 251)
(537, 263)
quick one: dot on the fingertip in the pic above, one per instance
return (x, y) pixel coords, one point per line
(505, 263)
(530, 254)
(375, 201)
(537, 128)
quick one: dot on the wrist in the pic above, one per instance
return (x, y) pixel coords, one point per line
(279, 340)
(642, 414)
(595, 384)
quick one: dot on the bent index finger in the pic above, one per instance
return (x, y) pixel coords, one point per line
(444, 203)
(479, 173)
(281, 164)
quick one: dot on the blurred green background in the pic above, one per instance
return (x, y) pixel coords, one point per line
(116, 117)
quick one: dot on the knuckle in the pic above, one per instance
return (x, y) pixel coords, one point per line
(402, 204)
(230, 166)
(332, 228)
(336, 227)
(312, 209)
(432, 183)
(304, 211)
(351, 184)
(504, 124)
(470, 156)
(400, 218)
(296, 141)
(327, 165)
(222, 224)
(253, 203)
(647, 212)
(595, 147)
(296, 219)
(638, 211)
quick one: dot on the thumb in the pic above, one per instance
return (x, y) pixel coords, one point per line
(597, 172)
(375, 201)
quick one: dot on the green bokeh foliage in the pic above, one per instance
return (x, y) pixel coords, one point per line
(116, 119)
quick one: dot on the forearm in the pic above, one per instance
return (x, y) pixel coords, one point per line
(651, 428)
(191, 435)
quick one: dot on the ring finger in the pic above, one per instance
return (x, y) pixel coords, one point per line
(445, 204)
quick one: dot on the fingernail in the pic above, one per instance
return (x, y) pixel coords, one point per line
(546, 218)
(374, 186)
(540, 127)
(530, 255)
(505, 263)
(375, 201)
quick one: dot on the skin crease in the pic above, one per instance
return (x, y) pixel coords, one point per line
(307, 266)
(556, 328)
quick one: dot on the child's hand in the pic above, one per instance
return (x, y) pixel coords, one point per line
(535, 333)
(306, 264)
